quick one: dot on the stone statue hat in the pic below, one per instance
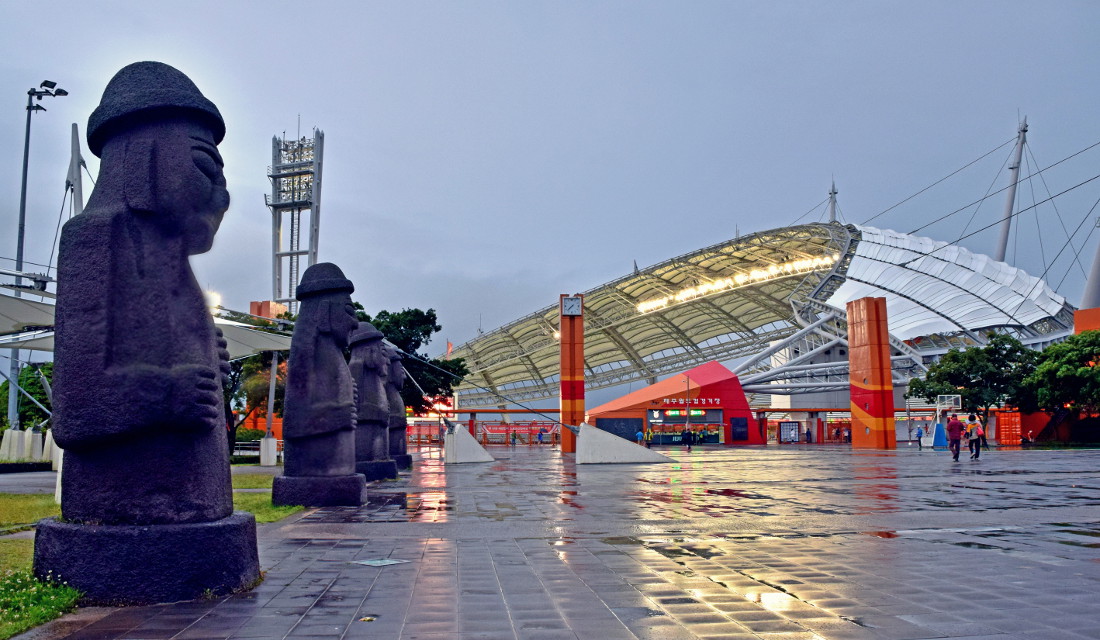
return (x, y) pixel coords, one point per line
(142, 88)
(323, 277)
(366, 331)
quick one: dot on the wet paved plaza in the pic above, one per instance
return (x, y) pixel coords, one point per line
(796, 542)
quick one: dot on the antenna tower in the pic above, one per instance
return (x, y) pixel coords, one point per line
(295, 174)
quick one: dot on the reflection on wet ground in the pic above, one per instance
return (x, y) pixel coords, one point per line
(793, 543)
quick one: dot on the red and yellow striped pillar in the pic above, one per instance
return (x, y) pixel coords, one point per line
(872, 387)
(571, 345)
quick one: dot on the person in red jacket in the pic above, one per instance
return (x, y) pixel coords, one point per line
(954, 436)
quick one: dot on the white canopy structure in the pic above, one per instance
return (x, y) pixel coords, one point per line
(27, 324)
(752, 296)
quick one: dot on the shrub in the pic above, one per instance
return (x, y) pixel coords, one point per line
(27, 602)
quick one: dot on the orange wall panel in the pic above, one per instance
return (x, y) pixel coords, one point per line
(1086, 320)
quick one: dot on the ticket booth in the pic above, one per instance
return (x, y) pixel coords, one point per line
(707, 399)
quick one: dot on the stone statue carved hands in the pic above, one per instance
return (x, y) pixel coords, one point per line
(223, 352)
(142, 398)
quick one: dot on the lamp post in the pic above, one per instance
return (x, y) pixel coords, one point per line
(47, 88)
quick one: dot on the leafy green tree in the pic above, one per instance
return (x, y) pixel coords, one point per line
(245, 388)
(30, 415)
(256, 381)
(1067, 375)
(985, 376)
(409, 330)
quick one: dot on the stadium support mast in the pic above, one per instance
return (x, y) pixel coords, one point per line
(295, 174)
(832, 202)
(1010, 204)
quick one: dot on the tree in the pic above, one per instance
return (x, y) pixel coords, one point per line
(246, 386)
(30, 415)
(984, 376)
(1067, 376)
(409, 330)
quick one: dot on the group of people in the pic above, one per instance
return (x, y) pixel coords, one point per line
(974, 432)
(687, 438)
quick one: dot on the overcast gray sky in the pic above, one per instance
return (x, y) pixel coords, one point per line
(483, 157)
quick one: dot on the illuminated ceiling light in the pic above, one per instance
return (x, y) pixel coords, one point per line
(771, 272)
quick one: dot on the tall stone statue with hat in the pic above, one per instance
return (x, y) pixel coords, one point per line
(370, 364)
(399, 423)
(319, 408)
(147, 504)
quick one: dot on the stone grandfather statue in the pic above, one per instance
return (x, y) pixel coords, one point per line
(319, 408)
(138, 363)
(369, 365)
(398, 423)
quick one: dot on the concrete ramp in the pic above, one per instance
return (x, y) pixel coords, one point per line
(460, 447)
(596, 446)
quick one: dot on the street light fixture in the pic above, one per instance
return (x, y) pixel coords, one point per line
(47, 88)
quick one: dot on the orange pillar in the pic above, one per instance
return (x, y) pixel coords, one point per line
(571, 345)
(872, 388)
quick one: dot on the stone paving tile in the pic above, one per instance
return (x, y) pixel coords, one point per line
(746, 543)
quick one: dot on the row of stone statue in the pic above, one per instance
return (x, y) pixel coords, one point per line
(147, 499)
(343, 423)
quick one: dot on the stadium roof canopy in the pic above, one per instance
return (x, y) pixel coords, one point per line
(733, 299)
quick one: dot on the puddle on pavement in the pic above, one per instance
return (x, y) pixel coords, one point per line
(622, 540)
(975, 545)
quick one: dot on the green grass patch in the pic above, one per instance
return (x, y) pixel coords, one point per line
(259, 505)
(26, 602)
(16, 554)
(19, 508)
(252, 480)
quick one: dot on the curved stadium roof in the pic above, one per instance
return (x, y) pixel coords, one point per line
(732, 299)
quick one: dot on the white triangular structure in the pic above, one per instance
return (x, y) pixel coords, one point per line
(57, 479)
(51, 452)
(460, 447)
(11, 447)
(596, 446)
(32, 446)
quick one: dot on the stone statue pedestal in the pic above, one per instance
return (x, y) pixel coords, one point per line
(144, 564)
(319, 491)
(404, 461)
(269, 451)
(377, 469)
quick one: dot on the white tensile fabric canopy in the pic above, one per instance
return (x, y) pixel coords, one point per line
(17, 314)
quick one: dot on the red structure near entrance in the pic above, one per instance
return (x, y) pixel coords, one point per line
(708, 398)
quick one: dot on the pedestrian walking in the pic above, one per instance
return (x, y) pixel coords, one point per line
(920, 434)
(974, 433)
(955, 431)
(687, 436)
(649, 438)
(640, 437)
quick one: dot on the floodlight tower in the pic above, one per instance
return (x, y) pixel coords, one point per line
(295, 174)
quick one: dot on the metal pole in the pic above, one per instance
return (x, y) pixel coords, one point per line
(832, 203)
(1010, 204)
(1091, 297)
(74, 174)
(13, 394)
(687, 403)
